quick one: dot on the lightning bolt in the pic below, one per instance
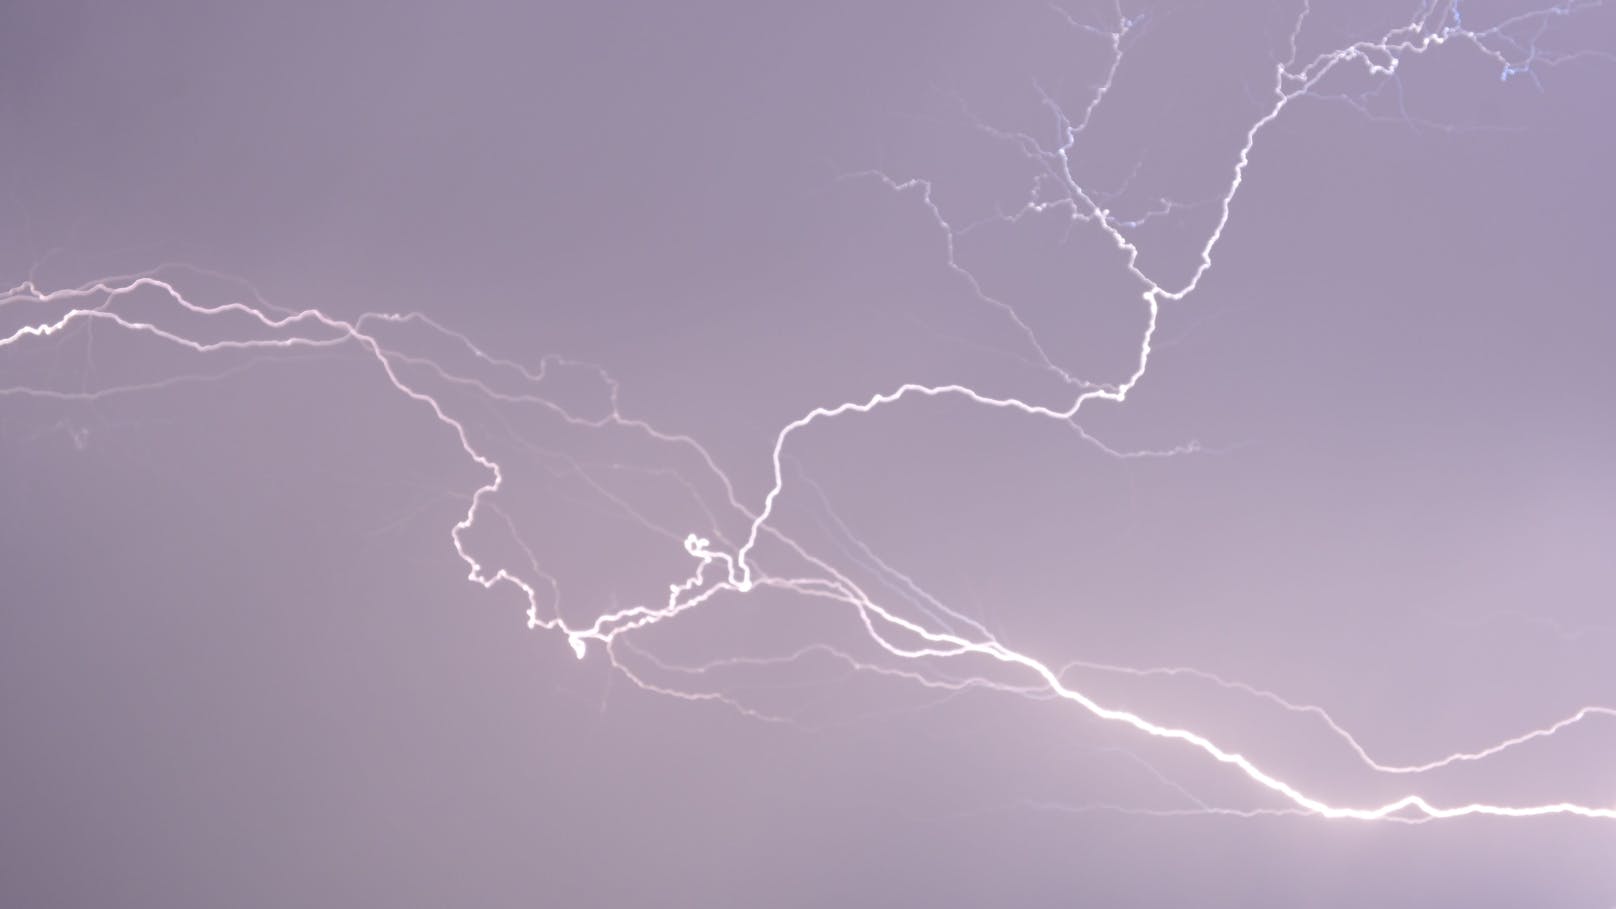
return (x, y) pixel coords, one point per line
(925, 648)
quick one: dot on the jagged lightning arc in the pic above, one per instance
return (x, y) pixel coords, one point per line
(732, 569)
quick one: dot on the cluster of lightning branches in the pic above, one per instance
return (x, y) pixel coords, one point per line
(912, 646)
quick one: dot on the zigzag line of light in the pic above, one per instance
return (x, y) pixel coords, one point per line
(607, 628)
(1340, 731)
(1416, 38)
(740, 574)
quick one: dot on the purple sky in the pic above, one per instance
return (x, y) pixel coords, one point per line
(1364, 471)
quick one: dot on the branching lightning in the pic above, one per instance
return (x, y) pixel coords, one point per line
(924, 642)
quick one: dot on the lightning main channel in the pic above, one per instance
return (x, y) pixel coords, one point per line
(908, 649)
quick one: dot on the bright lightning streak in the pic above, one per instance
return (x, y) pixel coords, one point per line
(728, 569)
